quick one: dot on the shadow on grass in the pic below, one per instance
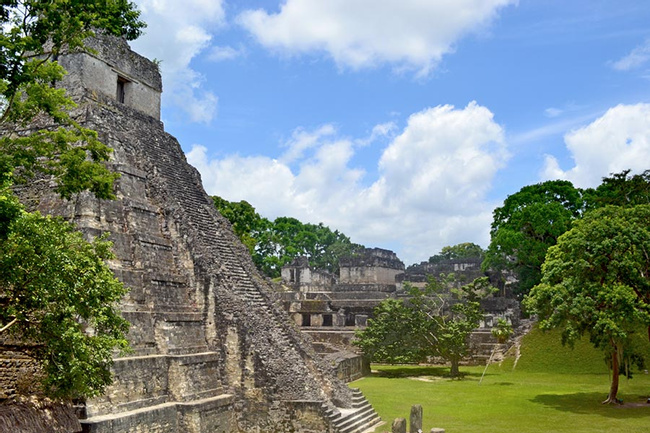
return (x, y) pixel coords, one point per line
(398, 372)
(590, 403)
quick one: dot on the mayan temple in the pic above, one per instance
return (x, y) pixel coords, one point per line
(212, 349)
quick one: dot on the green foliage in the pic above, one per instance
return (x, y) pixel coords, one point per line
(275, 244)
(621, 189)
(246, 223)
(57, 293)
(502, 331)
(56, 290)
(528, 223)
(461, 251)
(33, 34)
(596, 280)
(428, 323)
(394, 334)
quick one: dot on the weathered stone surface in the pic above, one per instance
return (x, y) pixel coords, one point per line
(37, 416)
(399, 425)
(415, 420)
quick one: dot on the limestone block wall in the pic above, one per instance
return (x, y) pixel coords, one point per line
(113, 65)
(374, 266)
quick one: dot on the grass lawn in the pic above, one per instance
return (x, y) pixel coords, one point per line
(552, 389)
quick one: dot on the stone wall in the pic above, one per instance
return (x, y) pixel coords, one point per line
(18, 373)
(373, 266)
(37, 416)
(299, 276)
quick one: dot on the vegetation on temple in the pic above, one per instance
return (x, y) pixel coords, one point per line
(274, 244)
(429, 323)
(596, 280)
(55, 288)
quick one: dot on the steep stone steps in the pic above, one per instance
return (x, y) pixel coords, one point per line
(360, 418)
(270, 333)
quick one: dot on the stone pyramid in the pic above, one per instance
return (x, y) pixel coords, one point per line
(213, 351)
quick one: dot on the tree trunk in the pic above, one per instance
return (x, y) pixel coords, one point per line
(454, 367)
(613, 390)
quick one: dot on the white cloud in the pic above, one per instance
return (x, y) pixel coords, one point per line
(176, 33)
(409, 34)
(637, 57)
(430, 191)
(617, 141)
(553, 112)
(221, 53)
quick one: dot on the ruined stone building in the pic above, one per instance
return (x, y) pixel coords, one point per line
(212, 351)
(331, 308)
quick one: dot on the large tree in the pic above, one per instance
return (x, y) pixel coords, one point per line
(528, 223)
(56, 291)
(429, 323)
(596, 280)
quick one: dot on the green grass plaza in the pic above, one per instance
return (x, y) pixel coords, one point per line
(551, 389)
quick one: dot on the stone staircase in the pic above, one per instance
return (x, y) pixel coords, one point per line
(359, 419)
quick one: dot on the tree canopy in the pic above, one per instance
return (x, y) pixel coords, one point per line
(620, 189)
(596, 280)
(274, 244)
(56, 290)
(460, 251)
(528, 223)
(428, 323)
(57, 294)
(532, 219)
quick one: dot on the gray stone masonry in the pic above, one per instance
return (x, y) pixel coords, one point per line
(415, 420)
(399, 425)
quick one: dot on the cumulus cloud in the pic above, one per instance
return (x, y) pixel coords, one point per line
(430, 191)
(409, 34)
(176, 33)
(636, 58)
(617, 141)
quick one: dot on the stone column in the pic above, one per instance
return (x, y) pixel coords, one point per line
(399, 425)
(361, 320)
(416, 419)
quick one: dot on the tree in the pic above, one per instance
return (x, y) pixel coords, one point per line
(528, 223)
(620, 189)
(396, 334)
(460, 251)
(56, 290)
(275, 244)
(58, 295)
(596, 280)
(428, 323)
(34, 33)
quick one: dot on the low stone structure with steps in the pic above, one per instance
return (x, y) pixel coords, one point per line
(358, 419)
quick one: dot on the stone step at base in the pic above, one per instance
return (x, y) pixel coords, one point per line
(163, 417)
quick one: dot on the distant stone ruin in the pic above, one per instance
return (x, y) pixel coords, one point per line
(329, 308)
(212, 349)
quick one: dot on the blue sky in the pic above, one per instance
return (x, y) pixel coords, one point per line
(402, 124)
